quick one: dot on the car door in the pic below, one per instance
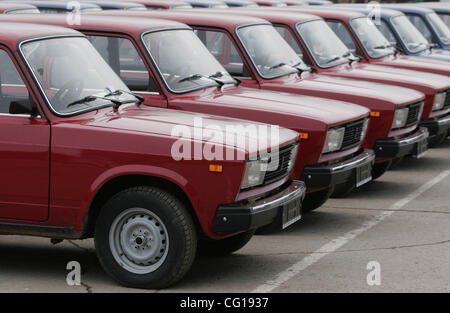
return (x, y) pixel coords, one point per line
(24, 149)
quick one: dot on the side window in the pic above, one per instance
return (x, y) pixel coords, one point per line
(14, 96)
(343, 34)
(124, 59)
(421, 26)
(287, 35)
(386, 31)
(224, 50)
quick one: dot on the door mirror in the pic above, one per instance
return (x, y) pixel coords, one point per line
(23, 107)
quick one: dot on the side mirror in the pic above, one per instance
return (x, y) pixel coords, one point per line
(23, 107)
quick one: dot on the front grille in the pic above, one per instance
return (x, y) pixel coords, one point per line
(415, 110)
(352, 135)
(283, 157)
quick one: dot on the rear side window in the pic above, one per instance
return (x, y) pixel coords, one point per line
(421, 26)
(124, 59)
(224, 50)
(287, 35)
(13, 93)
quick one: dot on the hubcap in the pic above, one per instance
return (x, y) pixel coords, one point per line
(139, 240)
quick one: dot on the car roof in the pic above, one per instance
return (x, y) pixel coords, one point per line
(4, 6)
(162, 3)
(331, 12)
(61, 5)
(125, 5)
(129, 25)
(193, 16)
(274, 16)
(385, 12)
(12, 33)
(409, 8)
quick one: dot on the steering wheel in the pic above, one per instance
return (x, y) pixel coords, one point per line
(70, 91)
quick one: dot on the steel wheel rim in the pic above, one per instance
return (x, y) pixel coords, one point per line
(139, 241)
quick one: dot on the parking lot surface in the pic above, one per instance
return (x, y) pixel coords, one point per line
(393, 235)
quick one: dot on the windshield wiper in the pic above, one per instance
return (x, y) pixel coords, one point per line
(336, 58)
(119, 92)
(212, 77)
(116, 102)
(297, 67)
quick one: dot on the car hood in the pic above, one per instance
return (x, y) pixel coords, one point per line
(356, 91)
(424, 82)
(436, 54)
(163, 122)
(416, 63)
(330, 112)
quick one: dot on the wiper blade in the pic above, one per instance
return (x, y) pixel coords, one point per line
(82, 100)
(336, 58)
(278, 65)
(198, 76)
(119, 92)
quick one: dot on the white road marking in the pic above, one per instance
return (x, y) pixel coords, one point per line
(337, 243)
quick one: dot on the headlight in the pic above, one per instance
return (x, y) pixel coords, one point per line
(439, 101)
(400, 117)
(254, 174)
(334, 139)
(364, 130)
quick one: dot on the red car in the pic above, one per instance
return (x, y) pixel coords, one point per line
(252, 50)
(155, 57)
(319, 46)
(82, 158)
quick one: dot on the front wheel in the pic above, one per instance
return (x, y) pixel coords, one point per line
(437, 140)
(315, 200)
(225, 246)
(145, 238)
(380, 168)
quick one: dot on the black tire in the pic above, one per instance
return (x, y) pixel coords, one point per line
(181, 236)
(436, 140)
(225, 246)
(380, 168)
(343, 190)
(395, 162)
(315, 200)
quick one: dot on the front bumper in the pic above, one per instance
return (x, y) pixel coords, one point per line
(331, 175)
(437, 126)
(396, 148)
(235, 218)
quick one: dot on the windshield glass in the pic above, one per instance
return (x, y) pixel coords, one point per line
(22, 11)
(446, 18)
(410, 36)
(69, 69)
(439, 27)
(269, 52)
(373, 41)
(184, 62)
(324, 45)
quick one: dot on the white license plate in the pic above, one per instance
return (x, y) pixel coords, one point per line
(363, 174)
(421, 148)
(292, 212)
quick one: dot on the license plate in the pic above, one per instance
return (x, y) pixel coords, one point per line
(421, 148)
(363, 174)
(292, 212)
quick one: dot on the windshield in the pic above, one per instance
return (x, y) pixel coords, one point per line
(373, 41)
(269, 52)
(439, 27)
(69, 69)
(413, 40)
(22, 11)
(184, 62)
(323, 44)
(446, 18)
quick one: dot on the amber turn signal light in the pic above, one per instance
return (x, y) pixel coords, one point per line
(215, 168)
(375, 114)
